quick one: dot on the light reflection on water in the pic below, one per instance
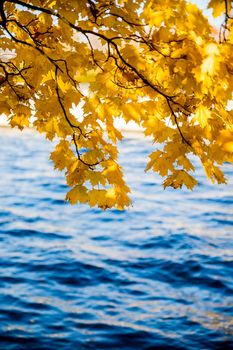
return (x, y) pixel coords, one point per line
(157, 276)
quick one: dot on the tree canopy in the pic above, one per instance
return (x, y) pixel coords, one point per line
(72, 67)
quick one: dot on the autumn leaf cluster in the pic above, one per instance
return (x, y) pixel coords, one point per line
(70, 68)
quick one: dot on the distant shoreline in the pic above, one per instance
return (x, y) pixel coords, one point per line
(120, 124)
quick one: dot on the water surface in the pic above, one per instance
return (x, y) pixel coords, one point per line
(158, 276)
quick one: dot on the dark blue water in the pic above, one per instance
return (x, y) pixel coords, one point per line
(159, 276)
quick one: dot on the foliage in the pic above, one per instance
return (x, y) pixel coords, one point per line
(156, 62)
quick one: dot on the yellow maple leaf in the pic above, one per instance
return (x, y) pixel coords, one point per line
(180, 178)
(211, 62)
(77, 194)
(202, 114)
(218, 7)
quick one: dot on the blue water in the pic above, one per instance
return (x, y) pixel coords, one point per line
(159, 276)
